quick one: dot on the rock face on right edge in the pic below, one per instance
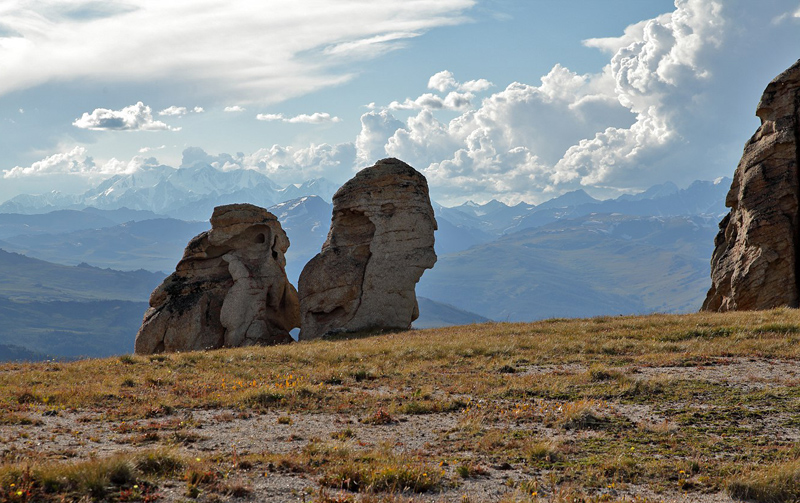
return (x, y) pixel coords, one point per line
(380, 243)
(755, 261)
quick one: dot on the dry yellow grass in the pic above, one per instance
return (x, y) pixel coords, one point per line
(611, 407)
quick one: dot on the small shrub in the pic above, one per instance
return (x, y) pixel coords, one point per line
(159, 464)
(599, 374)
(383, 474)
(362, 375)
(26, 397)
(379, 417)
(343, 434)
(128, 383)
(417, 407)
(332, 380)
(470, 470)
(540, 451)
(263, 399)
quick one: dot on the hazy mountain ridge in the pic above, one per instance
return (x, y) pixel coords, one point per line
(497, 218)
(27, 279)
(594, 265)
(54, 310)
(14, 353)
(71, 328)
(155, 244)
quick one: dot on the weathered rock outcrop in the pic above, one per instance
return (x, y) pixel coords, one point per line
(755, 262)
(379, 244)
(229, 289)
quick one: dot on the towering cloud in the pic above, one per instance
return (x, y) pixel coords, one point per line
(659, 110)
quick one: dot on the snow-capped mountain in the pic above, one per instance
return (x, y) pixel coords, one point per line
(318, 187)
(189, 193)
(40, 203)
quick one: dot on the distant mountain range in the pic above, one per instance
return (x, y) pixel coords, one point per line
(188, 193)
(570, 256)
(601, 264)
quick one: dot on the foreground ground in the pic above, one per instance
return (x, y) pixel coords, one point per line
(659, 408)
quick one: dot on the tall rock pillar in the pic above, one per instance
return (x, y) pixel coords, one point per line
(755, 260)
(379, 244)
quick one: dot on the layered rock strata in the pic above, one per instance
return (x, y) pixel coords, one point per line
(380, 242)
(229, 289)
(755, 260)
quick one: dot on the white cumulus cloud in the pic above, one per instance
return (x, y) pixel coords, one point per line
(144, 150)
(269, 117)
(174, 111)
(73, 162)
(284, 164)
(136, 117)
(459, 96)
(315, 118)
(287, 164)
(234, 108)
(445, 80)
(376, 129)
(453, 101)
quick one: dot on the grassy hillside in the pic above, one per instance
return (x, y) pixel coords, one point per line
(700, 407)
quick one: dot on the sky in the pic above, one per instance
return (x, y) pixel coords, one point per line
(516, 100)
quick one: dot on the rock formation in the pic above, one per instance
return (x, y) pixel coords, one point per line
(229, 289)
(755, 262)
(379, 244)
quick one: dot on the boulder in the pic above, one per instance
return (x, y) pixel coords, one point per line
(380, 242)
(229, 289)
(755, 260)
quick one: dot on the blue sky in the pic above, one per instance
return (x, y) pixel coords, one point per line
(508, 99)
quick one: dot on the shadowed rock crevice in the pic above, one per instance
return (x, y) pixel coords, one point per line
(350, 237)
(755, 264)
(230, 289)
(380, 243)
(796, 236)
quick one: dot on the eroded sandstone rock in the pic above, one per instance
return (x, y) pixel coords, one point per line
(755, 261)
(379, 244)
(229, 289)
